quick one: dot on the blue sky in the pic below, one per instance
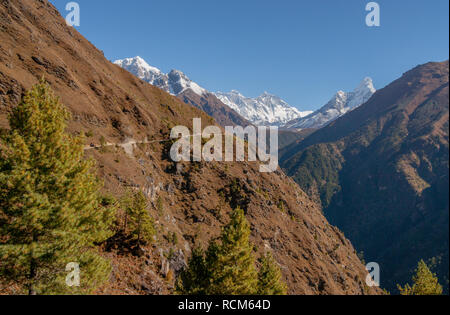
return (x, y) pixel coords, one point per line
(303, 51)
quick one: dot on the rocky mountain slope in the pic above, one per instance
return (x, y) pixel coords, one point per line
(178, 84)
(341, 103)
(267, 109)
(382, 173)
(189, 200)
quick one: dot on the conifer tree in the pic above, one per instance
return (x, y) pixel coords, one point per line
(138, 222)
(50, 214)
(231, 261)
(424, 282)
(196, 278)
(229, 265)
(270, 280)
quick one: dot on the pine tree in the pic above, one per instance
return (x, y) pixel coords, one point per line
(50, 214)
(270, 280)
(228, 266)
(424, 282)
(231, 261)
(138, 222)
(196, 278)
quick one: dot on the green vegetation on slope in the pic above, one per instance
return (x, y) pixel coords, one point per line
(137, 222)
(50, 213)
(228, 266)
(381, 173)
(424, 282)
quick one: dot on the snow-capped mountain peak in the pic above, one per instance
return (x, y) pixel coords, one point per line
(266, 109)
(142, 63)
(366, 83)
(175, 82)
(341, 103)
(179, 83)
(139, 67)
(361, 94)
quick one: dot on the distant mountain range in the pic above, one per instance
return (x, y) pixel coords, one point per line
(179, 85)
(266, 109)
(175, 82)
(341, 103)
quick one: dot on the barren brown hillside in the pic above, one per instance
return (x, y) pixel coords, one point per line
(190, 200)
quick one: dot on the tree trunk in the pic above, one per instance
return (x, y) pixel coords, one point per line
(32, 273)
(31, 277)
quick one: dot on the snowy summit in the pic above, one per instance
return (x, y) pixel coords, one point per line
(341, 103)
(267, 109)
(175, 82)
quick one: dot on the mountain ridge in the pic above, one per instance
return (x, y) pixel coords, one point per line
(179, 85)
(266, 109)
(190, 200)
(340, 104)
(381, 173)
(175, 82)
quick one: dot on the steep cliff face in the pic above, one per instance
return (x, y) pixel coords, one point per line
(132, 121)
(381, 173)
